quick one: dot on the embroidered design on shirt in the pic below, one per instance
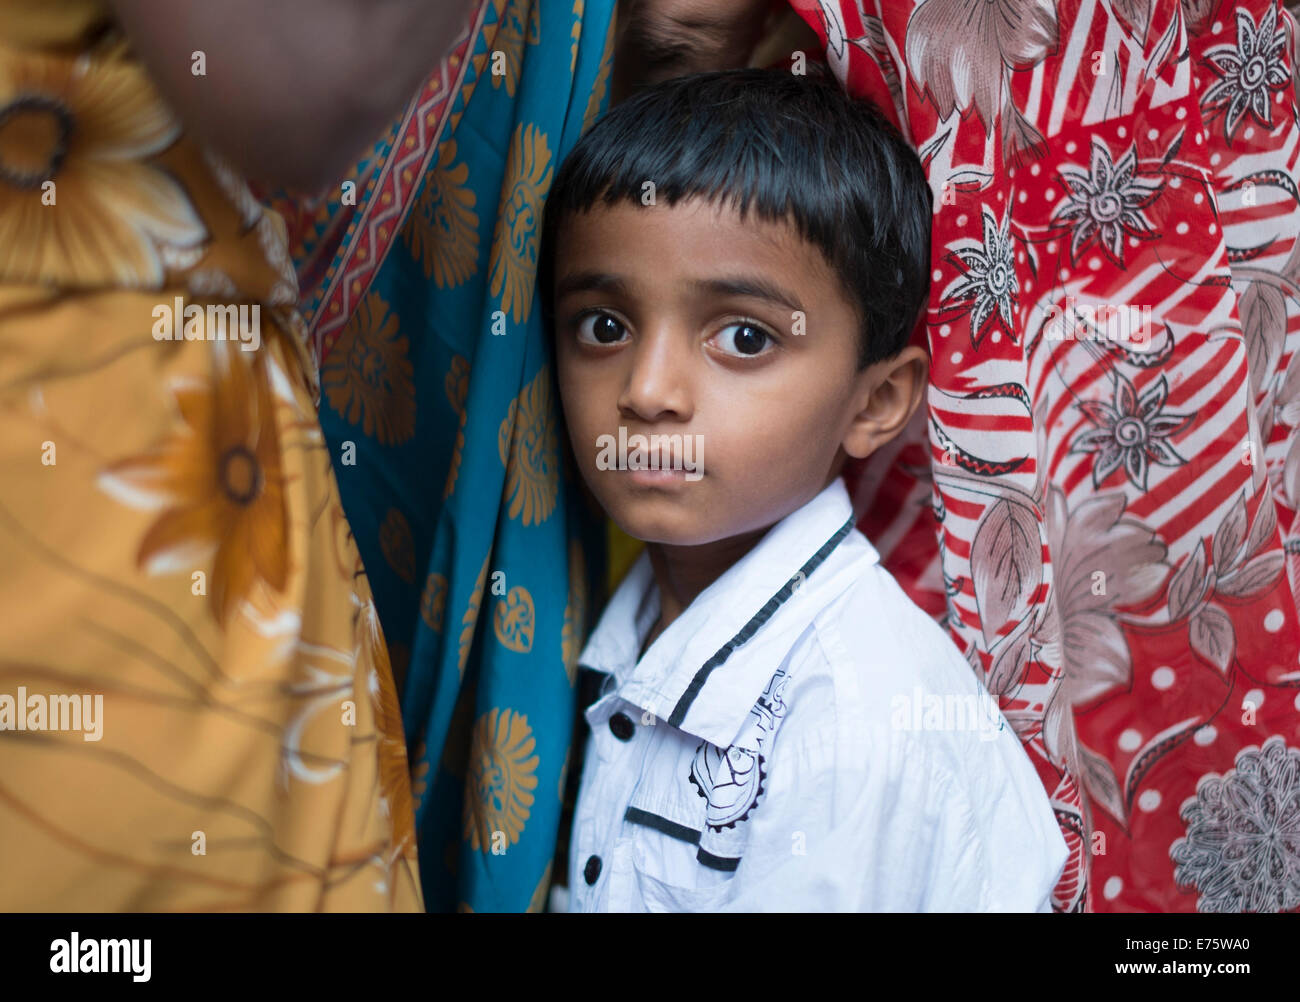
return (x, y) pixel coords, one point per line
(732, 780)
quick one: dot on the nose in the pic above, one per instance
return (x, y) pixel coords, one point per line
(657, 386)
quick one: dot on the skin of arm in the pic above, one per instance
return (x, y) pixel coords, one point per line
(662, 39)
(294, 90)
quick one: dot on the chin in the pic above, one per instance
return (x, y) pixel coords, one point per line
(675, 529)
(669, 529)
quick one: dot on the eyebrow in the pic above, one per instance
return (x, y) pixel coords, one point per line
(591, 281)
(748, 286)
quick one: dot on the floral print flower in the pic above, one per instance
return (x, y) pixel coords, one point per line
(1105, 203)
(959, 50)
(82, 133)
(1248, 71)
(1131, 432)
(1080, 627)
(988, 286)
(1242, 847)
(220, 483)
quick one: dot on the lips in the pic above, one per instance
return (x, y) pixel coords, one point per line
(671, 461)
(651, 453)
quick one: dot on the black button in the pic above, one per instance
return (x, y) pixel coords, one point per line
(591, 872)
(622, 726)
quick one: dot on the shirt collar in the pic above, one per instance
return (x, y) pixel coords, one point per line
(704, 673)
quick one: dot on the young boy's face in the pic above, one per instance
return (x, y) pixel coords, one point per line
(737, 338)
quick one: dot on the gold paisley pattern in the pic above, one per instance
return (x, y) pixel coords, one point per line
(368, 377)
(92, 128)
(514, 620)
(443, 231)
(537, 903)
(397, 545)
(575, 612)
(528, 444)
(457, 382)
(419, 778)
(602, 78)
(454, 470)
(510, 42)
(576, 33)
(433, 601)
(502, 776)
(519, 216)
(457, 385)
(470, 619)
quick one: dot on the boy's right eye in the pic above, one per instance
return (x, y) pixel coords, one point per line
(600, 328)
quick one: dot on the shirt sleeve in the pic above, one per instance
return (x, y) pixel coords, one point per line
(902, 831)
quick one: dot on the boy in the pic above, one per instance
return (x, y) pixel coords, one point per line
(733, 263)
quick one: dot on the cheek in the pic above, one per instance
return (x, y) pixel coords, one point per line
(568, 377)
(587, 412)
(777, 431)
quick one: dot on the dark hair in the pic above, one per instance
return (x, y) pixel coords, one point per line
(795, 149)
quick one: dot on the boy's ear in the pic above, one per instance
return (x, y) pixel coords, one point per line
(887, 395)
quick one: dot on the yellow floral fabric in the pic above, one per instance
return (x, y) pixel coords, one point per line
(174, 547)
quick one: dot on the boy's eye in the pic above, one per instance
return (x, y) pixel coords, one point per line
(600, 328)
(743, 339)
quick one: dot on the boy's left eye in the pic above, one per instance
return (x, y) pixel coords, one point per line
(743, 339)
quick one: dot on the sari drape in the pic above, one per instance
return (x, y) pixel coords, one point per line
(1100, 497)
(196, 706)
(443, 420)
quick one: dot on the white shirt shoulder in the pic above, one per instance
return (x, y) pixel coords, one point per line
(895, 784)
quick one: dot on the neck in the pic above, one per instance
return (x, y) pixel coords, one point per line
(683, 572)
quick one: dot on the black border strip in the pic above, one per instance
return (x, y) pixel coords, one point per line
(724, 863)
(670, 828)
(759, 618)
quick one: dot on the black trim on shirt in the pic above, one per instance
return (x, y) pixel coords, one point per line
(673, 830)
(756, 622)
(670, 828)
(724, 863)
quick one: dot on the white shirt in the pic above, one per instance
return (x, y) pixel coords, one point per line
(802, 737)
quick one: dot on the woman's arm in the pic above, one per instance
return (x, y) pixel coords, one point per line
(293, 90)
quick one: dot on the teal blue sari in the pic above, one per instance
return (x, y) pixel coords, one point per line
(439, 405)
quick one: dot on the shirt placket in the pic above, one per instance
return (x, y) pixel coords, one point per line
(616, 750)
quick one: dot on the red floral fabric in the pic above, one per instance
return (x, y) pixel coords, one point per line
(1099, 500)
